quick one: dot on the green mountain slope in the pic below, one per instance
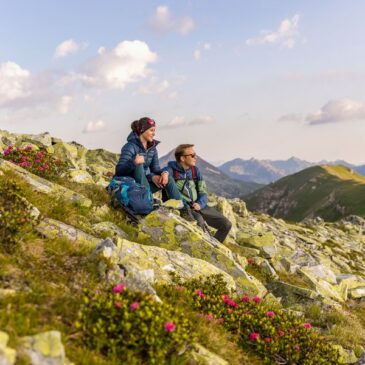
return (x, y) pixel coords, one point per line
(328, 191)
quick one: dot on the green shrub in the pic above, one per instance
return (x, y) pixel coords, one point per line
(15, 215)
(39, 162)
(277, 336)
(133, 326)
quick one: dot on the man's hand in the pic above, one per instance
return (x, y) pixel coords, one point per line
(139, 159)
(156, 179)
(164, 178)
(196, 206)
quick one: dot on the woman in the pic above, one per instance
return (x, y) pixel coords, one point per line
(139, 159)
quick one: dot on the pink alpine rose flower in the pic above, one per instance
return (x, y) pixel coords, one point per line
(270, 314)
(254, 336)
(170, 326)
(257, 299)
(281, 333)
(307, 325)
(245, 298)
(199, 293)
(118, 288)
(134, 306)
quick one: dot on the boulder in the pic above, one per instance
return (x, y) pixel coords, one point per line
(7, 355)
(45, 349)
(52, 228)
(42, 185)
(164, 229)
(81, 177)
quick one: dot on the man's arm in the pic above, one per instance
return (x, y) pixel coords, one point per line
(201, 190)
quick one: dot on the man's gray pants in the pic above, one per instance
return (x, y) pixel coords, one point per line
(214, 219)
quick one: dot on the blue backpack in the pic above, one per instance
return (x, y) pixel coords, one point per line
(127, 192)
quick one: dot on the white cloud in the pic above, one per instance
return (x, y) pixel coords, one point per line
(162, 20)
(286, 35)
(340, 110)
(67, 47)
(185, 26)
(291, 118)
(96, 126)
(197, 54)
(181, 121)
(115, 69)
(15, 82)
(203, 120)
(64, 105)
(155, 86)
(201, 48)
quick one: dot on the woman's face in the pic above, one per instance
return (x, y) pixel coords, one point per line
(149, 134)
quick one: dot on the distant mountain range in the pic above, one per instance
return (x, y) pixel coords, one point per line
(217, 181)
(328, 191)
(268, 171)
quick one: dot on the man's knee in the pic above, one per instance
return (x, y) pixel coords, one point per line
(226, 224)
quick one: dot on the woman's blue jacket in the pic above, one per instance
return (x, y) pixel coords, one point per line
(126, 166)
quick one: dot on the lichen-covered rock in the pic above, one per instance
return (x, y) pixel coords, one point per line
(110, 229)
(239, 207)
(45, 349)
(42, 185)
(152, 265)
(160, 229)
(52, 228)
(7, 355)
(226, 209)
(7, 293)
(266, 243)
(81, 177)
(202, 356)
(173, 204)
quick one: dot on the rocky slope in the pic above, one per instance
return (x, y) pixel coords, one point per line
(331, 192)
(314, 266)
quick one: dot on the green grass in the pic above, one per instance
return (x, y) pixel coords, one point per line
(318, 191)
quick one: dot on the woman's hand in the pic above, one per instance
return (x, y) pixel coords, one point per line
(164, 178)
(196, 206)
(156, 179)
(139, 159)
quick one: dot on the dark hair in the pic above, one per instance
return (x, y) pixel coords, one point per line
(180, 150)
(141, 125)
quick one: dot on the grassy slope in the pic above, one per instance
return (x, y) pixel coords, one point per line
(52, 304)
(312, 190)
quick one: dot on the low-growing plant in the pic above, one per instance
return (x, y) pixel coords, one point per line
(39, 162)
(133, 326)
(15, 215)
(278, 336)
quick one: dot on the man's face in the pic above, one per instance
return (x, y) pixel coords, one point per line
(189, 157)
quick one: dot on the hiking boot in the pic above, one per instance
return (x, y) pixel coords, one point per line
(187, 214)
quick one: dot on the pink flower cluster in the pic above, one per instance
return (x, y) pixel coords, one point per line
(199, 293)
(118, 288)
(270, 314)
(245, 298)
(257, 299)
(254, 336)
(230, 302)
(307, 325)
(134, 306)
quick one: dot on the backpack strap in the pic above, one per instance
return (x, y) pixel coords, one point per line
(193, 173)
(176, 175)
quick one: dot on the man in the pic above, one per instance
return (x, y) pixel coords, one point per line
(193, 189)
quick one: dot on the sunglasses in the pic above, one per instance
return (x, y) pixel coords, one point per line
(192, 155)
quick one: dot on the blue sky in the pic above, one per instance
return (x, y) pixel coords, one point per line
(266, 79)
